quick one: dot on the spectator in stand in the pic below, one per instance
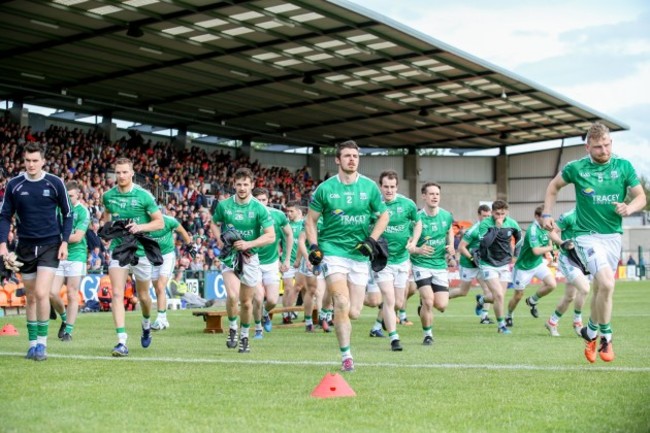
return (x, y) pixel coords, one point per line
(92, 238)
(95, 262)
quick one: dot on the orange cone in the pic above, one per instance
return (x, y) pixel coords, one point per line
(9, 329)
(333, 385)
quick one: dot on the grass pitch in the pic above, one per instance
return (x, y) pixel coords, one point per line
(471, 380)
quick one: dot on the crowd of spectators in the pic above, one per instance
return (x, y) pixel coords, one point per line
(187, 183)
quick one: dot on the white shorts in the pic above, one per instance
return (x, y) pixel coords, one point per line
(522, 277)
(289, 273)
(439, 277)
(166, 269)
(398, 274)
(356, 271)
(502, 273)
(599, 251)
(372, 286)
(570, 272)
(270, 274)
(70, 269)
(304, 270)
(468, 274)
(251, 271)
(141, 271)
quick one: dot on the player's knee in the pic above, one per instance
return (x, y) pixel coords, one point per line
(354, 313)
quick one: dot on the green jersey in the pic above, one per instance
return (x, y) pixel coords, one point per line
(535, 237)
(137, 204)
(269, 253)
(249, 219)
(435, 232)
(403, 214)
(346, 211)
(296, 228)
(597, 187)
(78, 252)
(165, 236)
(471, 237)
(567, 224)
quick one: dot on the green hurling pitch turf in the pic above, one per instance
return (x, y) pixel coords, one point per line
(471, 380)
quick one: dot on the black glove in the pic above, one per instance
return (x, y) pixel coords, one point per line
(230, 236)
(315, 255)
(567, 245)
(192, 250)
(368, 248)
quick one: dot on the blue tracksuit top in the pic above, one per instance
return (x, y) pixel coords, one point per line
(35, 204)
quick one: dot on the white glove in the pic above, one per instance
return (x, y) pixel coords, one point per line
(12, 263)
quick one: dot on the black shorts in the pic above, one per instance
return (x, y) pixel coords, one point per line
(35, 256)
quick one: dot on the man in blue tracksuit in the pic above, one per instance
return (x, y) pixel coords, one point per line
(39, 201)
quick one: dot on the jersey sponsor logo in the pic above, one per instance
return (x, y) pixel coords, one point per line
(588, 192)
(433, 242)
(338, 212)
(247, 234)
(353, 219)
(606, 199)
(24, 193)
(400, 228)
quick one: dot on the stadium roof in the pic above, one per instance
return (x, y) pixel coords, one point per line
(299, 72)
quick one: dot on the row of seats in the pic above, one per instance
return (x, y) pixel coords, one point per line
(9, 298)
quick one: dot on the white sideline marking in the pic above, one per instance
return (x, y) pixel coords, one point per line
(585, 368)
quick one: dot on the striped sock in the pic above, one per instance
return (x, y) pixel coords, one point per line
(121, 335)
(606, 331)
(32, 331)
(592, 329)
(41, 331)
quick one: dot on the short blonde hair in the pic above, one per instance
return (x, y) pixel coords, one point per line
(596, 132)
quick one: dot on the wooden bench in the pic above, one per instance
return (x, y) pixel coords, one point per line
(213, 318)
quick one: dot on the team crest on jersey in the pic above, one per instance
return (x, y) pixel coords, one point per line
(134, 203)
(399, 209)
(614, 174)
(444, 224)
(509, 233)
(251, 214)
(46, 193)
(434, 227)
(363, 196)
